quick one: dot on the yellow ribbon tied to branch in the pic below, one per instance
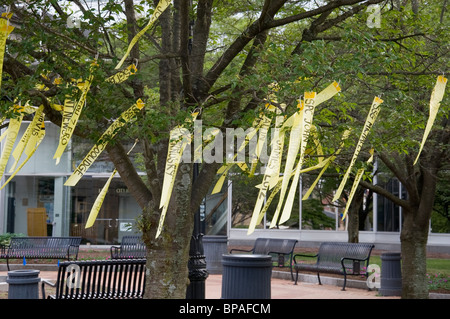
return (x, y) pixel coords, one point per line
(126, 117)
(101, 197)
(13, 130)
(122, 75)
(326, 163)
(31, 147)
(71, 114)
(272, 169)
(371, 117)
(160, 8)
(29, 138)
(358, 177)
(179, 138)
(435, 101)
(5, 30)
(258, 123)
(308, 113)
(303, 118)
(277, 188)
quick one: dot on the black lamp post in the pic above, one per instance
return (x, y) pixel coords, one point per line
(197, 259)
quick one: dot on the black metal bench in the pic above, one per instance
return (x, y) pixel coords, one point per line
(41, 248)
(337, 258)
(99, 279)
(278, 248)
(131, 247)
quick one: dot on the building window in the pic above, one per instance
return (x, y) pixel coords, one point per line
(115, 219)
(30, 205)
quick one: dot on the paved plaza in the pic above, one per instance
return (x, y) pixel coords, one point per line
(280, 288)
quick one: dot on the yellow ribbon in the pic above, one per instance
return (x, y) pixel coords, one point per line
(295, 141)
(33, 146)
(177, 143)
(68, 125)
(64, 137)
(101, 197)
(328, 162)
(260, 143)
(277, 188)
(98, 202)
(272, 171)
(308, 113)
(122, 75)
(435, 101)
(223, 170)
(160, 8)
(31, 135)
(13, 130)
(358, 177)
(96, 150)
(5, 30)
(371, 117)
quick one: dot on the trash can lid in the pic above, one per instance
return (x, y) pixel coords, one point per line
(23, 272)
(23, 276)
(246, 260)
(391, 256)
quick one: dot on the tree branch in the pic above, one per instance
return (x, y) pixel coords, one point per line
(129, 174)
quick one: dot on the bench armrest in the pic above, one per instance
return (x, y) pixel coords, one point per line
(114, 251)
(43, 283)
(72, 250)
(303, 255)
(343, 259)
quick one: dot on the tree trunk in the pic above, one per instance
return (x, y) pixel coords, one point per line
(353, 215)
(168, 255)
(414, 239)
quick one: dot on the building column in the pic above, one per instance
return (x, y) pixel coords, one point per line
(59, 207)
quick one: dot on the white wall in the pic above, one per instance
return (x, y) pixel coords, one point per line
(42, 162)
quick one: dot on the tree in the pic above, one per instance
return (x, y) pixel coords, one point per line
(403, 64)
(185, 64)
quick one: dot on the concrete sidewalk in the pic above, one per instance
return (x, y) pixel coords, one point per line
(285, 289)
(281, 288)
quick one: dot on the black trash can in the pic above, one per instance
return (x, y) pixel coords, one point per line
(391, 274)
(214, 246)
(246, 276)
(23, 284)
